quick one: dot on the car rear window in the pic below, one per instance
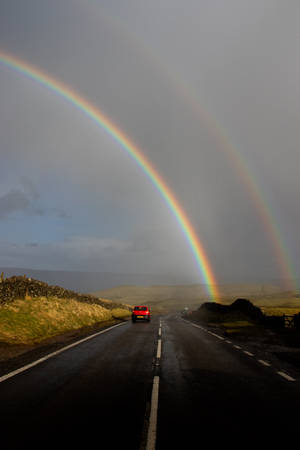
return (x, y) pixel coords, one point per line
(140, 308)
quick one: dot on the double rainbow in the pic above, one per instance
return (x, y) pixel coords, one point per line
(95, 114)
(244, 175)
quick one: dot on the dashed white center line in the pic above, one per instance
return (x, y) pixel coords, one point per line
(238, 347)
(248, 353)
(158, 353)
(151, 436)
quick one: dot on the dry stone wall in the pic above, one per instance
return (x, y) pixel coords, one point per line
(19, 287)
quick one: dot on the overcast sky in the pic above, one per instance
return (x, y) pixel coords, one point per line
(196, 84)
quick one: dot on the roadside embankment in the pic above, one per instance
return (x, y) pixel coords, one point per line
(27, 321)
(32, 312)
(20, 287)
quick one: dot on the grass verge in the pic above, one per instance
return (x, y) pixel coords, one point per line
(30, 321)
(236, 326)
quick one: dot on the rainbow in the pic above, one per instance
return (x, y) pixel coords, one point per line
(251, 186)
(245, 176)
(94, 113)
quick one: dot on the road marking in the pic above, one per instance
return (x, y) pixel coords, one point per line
(261, 361)
(50, 355)
(286, 376)
(158, 353)
(204, 329)
(199, 326)
(193, 324)
(151, 436)
(159, 331)
(216, 335)
(264, 363)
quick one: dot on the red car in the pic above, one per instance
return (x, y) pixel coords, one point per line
(141, 313)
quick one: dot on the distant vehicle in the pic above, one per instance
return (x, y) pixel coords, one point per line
(141, 313)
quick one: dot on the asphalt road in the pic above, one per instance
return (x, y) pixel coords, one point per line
(99, 394)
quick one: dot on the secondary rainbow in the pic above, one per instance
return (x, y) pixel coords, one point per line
(245, 176)
(94, 113)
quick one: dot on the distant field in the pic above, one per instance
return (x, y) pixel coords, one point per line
(278, 304)
(173, 298)
(279, 311)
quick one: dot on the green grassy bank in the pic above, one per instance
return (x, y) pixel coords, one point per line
(30, 321)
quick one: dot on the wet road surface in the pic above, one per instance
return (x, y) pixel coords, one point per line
(99, 394)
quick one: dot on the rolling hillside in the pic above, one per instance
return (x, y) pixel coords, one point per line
(178, 297)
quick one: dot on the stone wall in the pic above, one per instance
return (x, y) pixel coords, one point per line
(18, 287)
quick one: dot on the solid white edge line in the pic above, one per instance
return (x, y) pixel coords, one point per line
(286, 376)
(151, 436)
(50, 355)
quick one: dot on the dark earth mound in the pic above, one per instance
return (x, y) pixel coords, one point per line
(239, 309)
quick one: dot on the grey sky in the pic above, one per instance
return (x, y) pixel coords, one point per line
(85, 204)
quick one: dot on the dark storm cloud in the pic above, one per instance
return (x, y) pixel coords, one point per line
(25, 200)
(29, 188)
(13, 201)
